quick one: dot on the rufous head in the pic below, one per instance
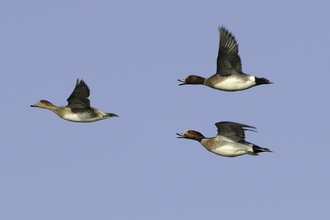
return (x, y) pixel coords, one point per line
(192, 79)
(191, 134)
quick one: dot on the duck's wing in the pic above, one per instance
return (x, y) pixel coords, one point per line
(232, 130)
(79, 96)
(228, 58)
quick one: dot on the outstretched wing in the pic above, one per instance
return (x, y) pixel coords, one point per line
(79, 96)
(233, 131)
(228, 58)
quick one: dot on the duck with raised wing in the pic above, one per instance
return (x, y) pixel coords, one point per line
(229, 76)
(78, 108)
(230, 141)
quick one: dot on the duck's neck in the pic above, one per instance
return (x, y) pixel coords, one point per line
(51, 107)
(198, 136)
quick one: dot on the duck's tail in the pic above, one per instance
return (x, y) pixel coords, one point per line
(260, 81)
(257, 149)
(110, 115)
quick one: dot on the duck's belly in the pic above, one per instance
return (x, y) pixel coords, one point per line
(231, 150)
(81, 117)
(234, 83)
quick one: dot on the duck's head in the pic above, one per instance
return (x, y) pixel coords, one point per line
(43, 104)
(192, 79)
(191, 134)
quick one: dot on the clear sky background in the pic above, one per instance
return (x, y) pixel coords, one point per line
(131, 53)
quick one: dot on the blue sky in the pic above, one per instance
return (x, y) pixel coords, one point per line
(131, 54)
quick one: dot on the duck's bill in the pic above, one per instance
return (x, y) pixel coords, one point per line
(180, 135)
(183, 82)
(33, 106)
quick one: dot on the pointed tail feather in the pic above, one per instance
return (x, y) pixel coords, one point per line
(110, 115)
(258, 149)
(260, 81)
